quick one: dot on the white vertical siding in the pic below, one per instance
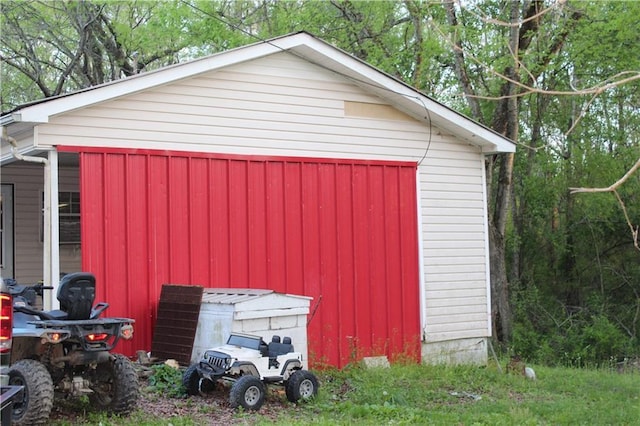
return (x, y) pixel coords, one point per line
(28, 179)
(284, 106)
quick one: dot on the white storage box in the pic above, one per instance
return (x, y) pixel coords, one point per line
(260, 312)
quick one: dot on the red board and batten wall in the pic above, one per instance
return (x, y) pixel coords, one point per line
(341, 231)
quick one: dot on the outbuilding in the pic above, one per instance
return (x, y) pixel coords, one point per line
(259, 312)
(288, 165)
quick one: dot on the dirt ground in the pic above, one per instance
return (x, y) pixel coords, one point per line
(211, 409)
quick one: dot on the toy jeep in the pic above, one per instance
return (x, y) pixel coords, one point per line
(250, 364)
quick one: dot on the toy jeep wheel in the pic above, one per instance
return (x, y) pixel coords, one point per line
(248, 392)
(193, 383)
(37, 396)
(302, 384)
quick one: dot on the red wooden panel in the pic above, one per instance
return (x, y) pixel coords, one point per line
(343, 232)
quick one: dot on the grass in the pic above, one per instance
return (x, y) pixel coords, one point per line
(439, 395)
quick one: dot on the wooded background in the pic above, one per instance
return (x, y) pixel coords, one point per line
(560, 78)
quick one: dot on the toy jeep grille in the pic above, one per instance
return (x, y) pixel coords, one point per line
(218, 359)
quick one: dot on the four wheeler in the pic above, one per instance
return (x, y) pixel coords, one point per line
(66, 352)
(250, 364)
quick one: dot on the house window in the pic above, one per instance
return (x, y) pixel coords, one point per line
(68, 217)
(69, 213)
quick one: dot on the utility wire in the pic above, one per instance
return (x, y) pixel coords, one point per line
(348, 77)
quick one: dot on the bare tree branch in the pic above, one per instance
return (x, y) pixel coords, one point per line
(613, 188)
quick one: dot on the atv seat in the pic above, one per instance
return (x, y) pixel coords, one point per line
(76, 294)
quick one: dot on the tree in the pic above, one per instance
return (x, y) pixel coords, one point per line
(50, 48)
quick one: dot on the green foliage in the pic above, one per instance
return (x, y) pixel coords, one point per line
(167, 381)
(585, 337)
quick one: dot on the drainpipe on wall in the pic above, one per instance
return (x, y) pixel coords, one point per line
(51, 258)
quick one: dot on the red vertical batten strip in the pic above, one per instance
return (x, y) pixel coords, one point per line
(199, 233)
(311, 259)
(346, 292)
(256, 224)
(238, 224)
(409, 280)
(220, 226)
(179, 220)
(138, 245)
(342, 232)
(361, 342)
(393, 257)
(377, 262)
(158, 215)
(294, 274)
(329, 258)
(276, 248)
(92, 214)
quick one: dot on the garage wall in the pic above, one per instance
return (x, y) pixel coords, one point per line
(284, 106)
(342, 232)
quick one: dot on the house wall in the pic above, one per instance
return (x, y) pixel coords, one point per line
(282, 105)
(28, 179)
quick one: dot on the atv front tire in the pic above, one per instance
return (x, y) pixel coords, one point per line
(302, 384)
(248, 392)
(115, 386)
(37, 396)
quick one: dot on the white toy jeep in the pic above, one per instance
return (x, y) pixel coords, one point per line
(250, 364)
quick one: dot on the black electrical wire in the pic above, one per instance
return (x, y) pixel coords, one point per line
(361, 82)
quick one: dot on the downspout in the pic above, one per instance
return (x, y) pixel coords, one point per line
(50, 262)
(16, 154)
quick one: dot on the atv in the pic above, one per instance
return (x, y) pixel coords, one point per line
(250, 364)
(66, 353)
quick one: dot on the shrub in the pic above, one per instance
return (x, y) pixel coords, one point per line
(167, 380)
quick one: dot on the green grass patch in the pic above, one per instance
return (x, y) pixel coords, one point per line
(426, 395)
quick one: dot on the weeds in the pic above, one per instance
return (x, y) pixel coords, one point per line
(167, 381)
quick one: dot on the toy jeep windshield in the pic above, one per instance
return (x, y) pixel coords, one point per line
(246, 341)
(249, 363)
